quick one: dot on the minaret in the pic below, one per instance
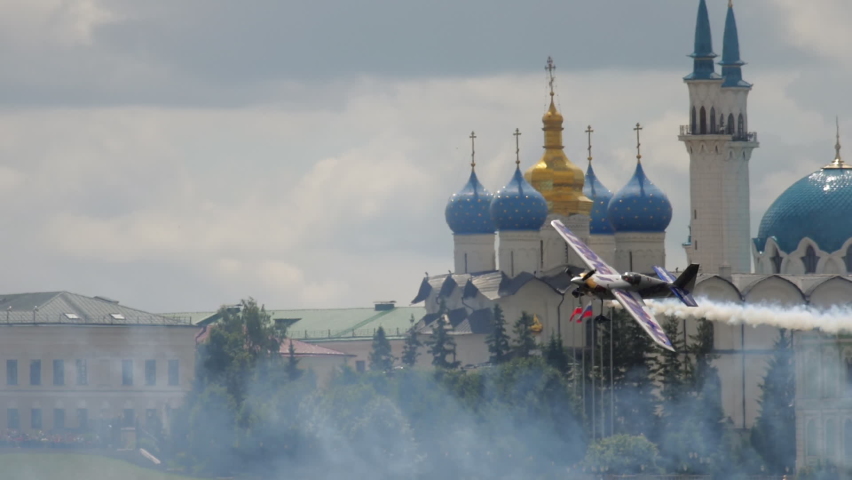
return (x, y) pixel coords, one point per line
(561, 184)
(719, 146)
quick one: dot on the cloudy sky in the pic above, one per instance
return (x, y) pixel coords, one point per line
(181, 155)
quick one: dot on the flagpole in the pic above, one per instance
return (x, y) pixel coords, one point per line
(594, 383)
(603, 385)
(611, 375)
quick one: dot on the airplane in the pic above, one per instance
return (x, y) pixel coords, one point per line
(629, 288)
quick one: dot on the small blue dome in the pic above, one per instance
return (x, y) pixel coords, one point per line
(600, 195)
(640, 206)
(468, 211)
(518, 206)
(816, 207)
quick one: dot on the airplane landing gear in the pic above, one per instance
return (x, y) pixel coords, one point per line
(576, 292)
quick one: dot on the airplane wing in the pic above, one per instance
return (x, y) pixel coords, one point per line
(590, 258)
(632, 302)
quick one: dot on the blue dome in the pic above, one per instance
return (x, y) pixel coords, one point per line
(518, 206)
(600, 195)
(816, 207)
(640, 206)
(468, 211)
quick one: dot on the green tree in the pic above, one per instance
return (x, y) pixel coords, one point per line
(524, 340)
(623, 455)
(441, 344)
(410, 347)
(774, 432)
(498, 340)
(293, 370)
(381, 358)
(556, 355)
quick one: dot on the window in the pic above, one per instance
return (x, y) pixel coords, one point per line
(35, 372)
(129, 418)
(776, 262)
(11, 372)
(695, 214)
(741, 126)
(812, 379)
(811, 439)
(82, 372)
(730, 124)
(83, 418)
(703, 120)
(35, 419)
(58, 418)
(59, 372)
(810, 260)
(13, 419)
(849, 376)
(830, 438)
(150, 372)
(712, 120)
(173, 372)
(360, 366)
(127, 372)
(829, 362)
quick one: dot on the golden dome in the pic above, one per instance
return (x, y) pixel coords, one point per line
(558, 180)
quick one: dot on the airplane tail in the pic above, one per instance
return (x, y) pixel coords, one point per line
(683, 285)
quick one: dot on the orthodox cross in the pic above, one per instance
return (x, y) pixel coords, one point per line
(517, 135)
(472, 150)
(589, 132)
(550, 68)
(638, 150)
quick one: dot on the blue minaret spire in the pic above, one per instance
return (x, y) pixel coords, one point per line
(703, 68)
(731, 62)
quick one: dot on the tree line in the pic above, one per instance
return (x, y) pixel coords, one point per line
(255, 413)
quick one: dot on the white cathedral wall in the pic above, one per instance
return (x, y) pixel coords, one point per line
(639, 252)
(474, 253)
(518, 251)
(604, 246)
(556, 252)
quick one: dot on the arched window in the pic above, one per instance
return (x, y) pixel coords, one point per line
(830, 359)
(730, 124)
(712, 119)
(810, 260)
(693, 125)
(848, 386)
(848, 259)
(830, 438)
(812, 367)
(741, 126)
(847, 439)
(776, 261)
(811, 439)
(703, 120)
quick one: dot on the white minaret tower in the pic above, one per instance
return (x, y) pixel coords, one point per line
(720, 147)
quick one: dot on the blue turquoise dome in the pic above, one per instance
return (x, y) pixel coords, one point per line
(600, 195)
(816, 207)
(640, 206)
(518, 206)
(468, 211)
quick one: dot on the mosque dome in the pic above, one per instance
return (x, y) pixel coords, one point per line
(558, 180)
(518, 206)
(640, 206)
(600, 196)
(814, 207)
(468, 210)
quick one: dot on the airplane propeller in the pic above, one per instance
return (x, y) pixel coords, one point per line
(588, 274)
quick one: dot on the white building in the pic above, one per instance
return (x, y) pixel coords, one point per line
(802, 253)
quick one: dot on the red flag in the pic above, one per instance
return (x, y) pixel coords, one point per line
(587, 313)
(576, 314)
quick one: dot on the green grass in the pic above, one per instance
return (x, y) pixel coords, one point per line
(69, 466)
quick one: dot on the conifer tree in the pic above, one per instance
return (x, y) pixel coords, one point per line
(381, 357)
(556, 355)
(774, 432)
(412, 343)
(293, 370)
(442, 344)
(498, 340)
(524, 341)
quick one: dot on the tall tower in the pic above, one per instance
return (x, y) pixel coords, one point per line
(561, 184)
(720, 147)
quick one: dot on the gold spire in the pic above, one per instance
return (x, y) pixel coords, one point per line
(517, 135)
(554, 176)
(838, 162)
(638, 145)
(589, 132)
(472, 151)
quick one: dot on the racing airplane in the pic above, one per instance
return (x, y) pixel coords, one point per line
(629, 288)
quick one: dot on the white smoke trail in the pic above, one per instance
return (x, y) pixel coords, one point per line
(837, 319)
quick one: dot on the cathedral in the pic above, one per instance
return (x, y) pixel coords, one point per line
(506, 252)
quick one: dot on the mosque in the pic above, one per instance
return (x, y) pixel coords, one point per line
(506, 253)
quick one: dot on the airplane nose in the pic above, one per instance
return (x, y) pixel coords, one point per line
(578, 280)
